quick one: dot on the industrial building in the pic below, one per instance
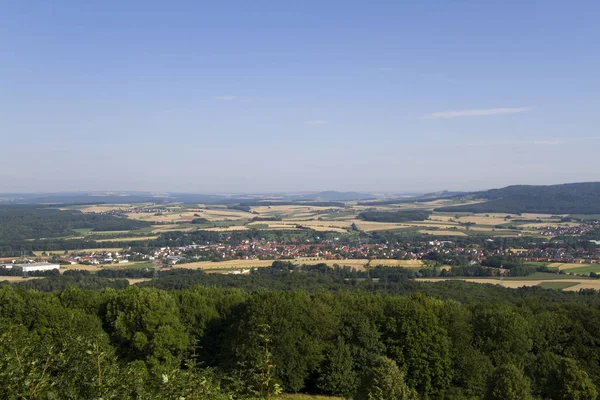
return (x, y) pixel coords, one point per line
(35, 267)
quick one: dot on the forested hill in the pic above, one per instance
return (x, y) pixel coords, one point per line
(18, 222)
(571, 198)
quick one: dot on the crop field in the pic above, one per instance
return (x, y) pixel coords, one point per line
(177, 217)
(82, 267)
(18, 278)
(354, 263)
(396, 263)
(577, 268)
(80, 251)
(544, 280)
(571, 266)
(128, 239)
(226, 264)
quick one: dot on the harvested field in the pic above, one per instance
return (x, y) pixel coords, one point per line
(81, 267)
(369, 226)
(443, 232)
(171, 228)
(133, 281)
(396, 263)
(226, 264)
(129, 239)
(14, 279)
(227, 228)
(99, 208)
(565, 284)
(571, 266)
(80, 251)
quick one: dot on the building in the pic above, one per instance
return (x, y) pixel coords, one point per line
(174, 259)
(35, 267)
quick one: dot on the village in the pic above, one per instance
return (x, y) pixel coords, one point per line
(446, 252)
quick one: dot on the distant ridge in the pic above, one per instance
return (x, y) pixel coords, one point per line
(568, 198)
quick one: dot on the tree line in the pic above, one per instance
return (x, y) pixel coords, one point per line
(401, 340)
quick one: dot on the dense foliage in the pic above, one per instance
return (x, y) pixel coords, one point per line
(315, 330)
(34, 222)
(574, 198)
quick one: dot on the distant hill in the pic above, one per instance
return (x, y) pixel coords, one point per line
(440, 195)
(570, 198)
(331, 195)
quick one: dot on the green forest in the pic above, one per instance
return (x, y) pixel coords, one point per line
(572, 198)
(394, 216)
(19, 222)
(189, 335)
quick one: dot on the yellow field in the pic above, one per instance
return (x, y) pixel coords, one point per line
(227, 228)
(355, 263)
(397, 263)
(321, 226)
(225, 214)
(515, 284)
(17, 278)
(443, 233)
(369, 226)
(90, 268)
(226, 264)
(88, 251)
(287, 209)
(567, 266)
(128, 239)
(542, 225)
(133, 281)
(170, 228)
(98, 208)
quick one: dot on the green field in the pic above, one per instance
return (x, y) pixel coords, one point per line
(585, 270)
(557, 285)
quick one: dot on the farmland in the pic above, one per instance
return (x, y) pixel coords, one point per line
(221, 218)
(544, 280)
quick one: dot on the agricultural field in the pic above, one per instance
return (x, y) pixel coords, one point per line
(79, 251)
(358, 264)
(576, 268)
(544, 280)
(128, 239)
(219, 218)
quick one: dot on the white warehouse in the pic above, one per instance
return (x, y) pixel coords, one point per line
(34, 267)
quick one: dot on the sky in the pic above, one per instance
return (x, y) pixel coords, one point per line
(271, 96)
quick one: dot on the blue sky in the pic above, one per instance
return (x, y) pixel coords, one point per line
(240, 96)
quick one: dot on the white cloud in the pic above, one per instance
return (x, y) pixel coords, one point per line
(226, 98)
(246, 99)
(316, 122)
(545, 142)
(476, 113)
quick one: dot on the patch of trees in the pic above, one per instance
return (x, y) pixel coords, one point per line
(239, 207)
(394, 216)
(200, 221)
(35, 222)
(266, 219)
